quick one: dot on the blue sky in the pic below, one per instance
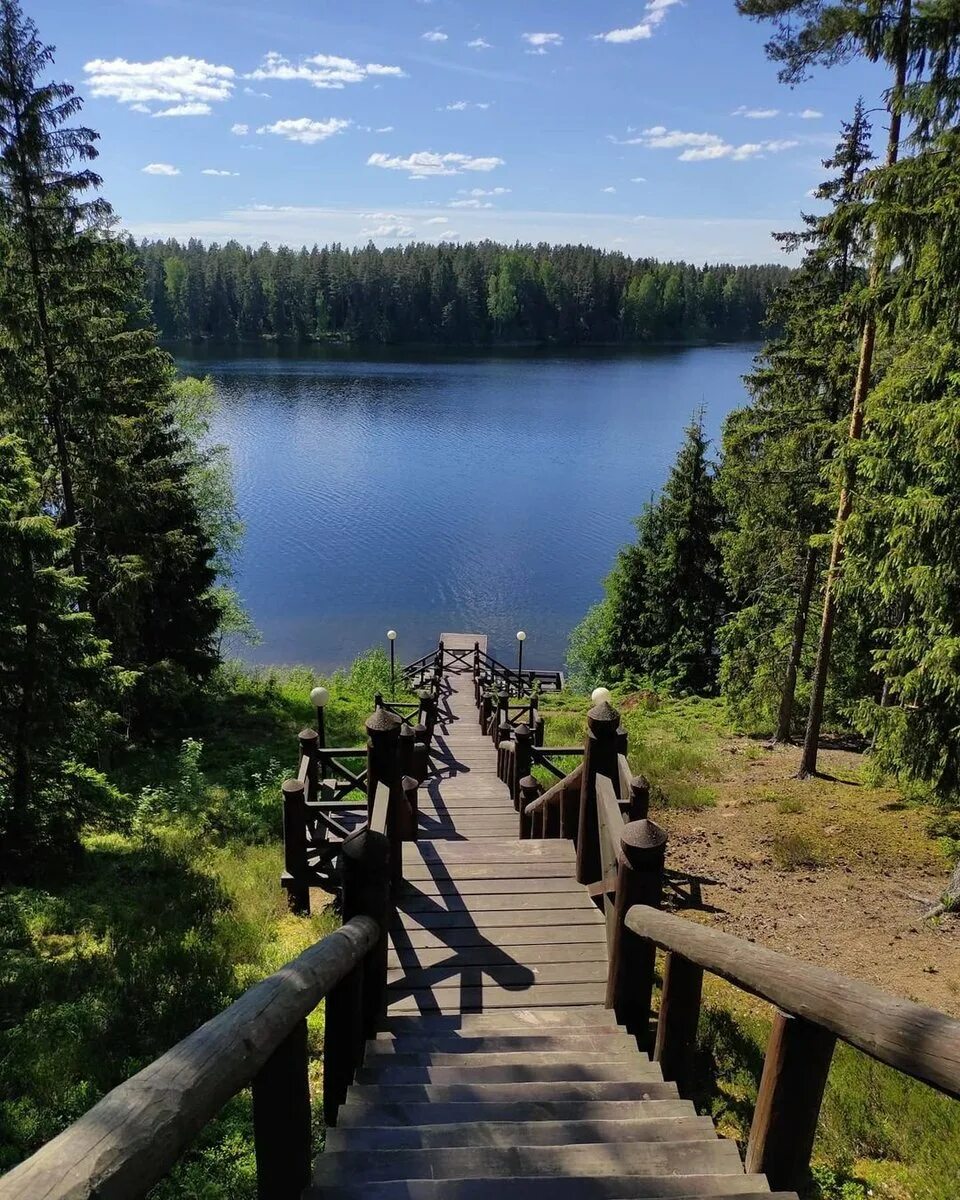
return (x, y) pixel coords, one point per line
(654, 127)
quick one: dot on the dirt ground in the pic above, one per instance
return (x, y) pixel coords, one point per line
(826, 869)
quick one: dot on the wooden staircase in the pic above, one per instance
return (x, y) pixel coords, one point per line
(466, 1094)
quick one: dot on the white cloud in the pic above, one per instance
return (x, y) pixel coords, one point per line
(389, 229)
(479, 44)
(473, 203)
(378, 129)
(193, 108)
(450, 235)
(239, 129)
(705, 147)
(165, 81)
(540, 42)
(638, 179)
(463, 105)
(497, 191)
(755, 114)
(434, 35)
(305, 129)
(144, 108)
(610, 189)
(437, 221)
(160, 169)
(249, 91)
(214, 171)
(424, 163)
(320, 70)
(810, 114)
(655, 14)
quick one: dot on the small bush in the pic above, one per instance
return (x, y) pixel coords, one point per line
(789, 805)
(794, 850)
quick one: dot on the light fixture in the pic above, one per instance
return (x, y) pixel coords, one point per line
(318, 698)
(600, 695)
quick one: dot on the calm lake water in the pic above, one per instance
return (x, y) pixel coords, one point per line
(425, 493)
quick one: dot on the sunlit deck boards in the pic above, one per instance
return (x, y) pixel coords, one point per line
(487, 921)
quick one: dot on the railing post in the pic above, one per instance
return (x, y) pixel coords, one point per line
(310, 749)
(639, 798)
(405, 749)
(529, 791)
(383, 743)
(281, 1119)
(630, 975)
(679, 1016)
(502, 719)
(428, 712)
(411, 793)
(356, 1004)
(599, 757)
(522, 760)
(795, 1072)
(294, 877)
(440, 655)
(486, 712)
(421, 754)
(623, 745)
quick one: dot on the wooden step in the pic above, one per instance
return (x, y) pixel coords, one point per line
(488, 1093)
(520, 1133)
(707, 1157)
(565, 1071)
(503, 972)
(411, 957)
(503, 937)
(612, 1039)
(609, 1187)
(483, 997)
(517, 1020)
(403, 1114)
(506, 1058)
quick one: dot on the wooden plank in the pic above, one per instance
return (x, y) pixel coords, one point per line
(487, 887)
(505, 936)
(481, 997)
(479, 903)
(454, 975)
(480, 956)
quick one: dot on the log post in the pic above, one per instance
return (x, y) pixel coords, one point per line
(623, 740)
(355, 1006)
(428, 712)
(310, 749)
(486, 712)
(639, 798)
(294, 878)
(788, 1103)
(405, 749)
(281, 1119)
(630, 976)
(421, 754)
(411, 814)
(440, 653)
(599, 757)
(522, 760)
(679, 1016)
(529, 791)
(383, 739)
(502, 718)
(378, 699)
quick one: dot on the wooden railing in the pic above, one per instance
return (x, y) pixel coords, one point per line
(136, 1133)
(603, 808)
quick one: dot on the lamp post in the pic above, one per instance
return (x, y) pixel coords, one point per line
(521, 638)
(392, 639)
(318, 698)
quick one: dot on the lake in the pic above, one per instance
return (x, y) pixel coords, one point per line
(464, 492)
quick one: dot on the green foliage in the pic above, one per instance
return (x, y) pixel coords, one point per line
(466, 294)
(665, 595)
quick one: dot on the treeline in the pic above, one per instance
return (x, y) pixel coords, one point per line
(114, 522)
(812, 574)
(459, 295)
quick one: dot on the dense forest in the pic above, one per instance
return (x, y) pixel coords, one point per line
(811, 574)
(460, 295)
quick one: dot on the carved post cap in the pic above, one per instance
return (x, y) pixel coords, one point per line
(521, 733)
(408, 731)
(409, 784)
(420, 732)
(308, 736)
(291, 787)
(382, 721)
(639, 797)
(369, 847)
(425, 694)
(603, 719)
(530, 788)
(643, 843)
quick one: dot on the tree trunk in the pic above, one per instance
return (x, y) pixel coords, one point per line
(811, 742)
(784, 731)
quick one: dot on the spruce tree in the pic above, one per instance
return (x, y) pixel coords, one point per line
(55, 679)
(86, 387)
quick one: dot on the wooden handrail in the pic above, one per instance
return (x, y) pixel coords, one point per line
(918, 1041)
(133, 1136)
(554, 793)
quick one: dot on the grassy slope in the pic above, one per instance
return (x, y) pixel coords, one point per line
(880, 1133)
(160, 925)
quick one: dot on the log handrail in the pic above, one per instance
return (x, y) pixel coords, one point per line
(555, 792)
(919, 1041)
(132, 1137)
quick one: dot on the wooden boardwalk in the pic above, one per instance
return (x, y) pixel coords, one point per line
(487, 921)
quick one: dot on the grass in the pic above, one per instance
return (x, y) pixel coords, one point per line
(163, 922)
(881, 1134)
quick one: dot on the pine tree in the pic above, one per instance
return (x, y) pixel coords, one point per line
(776, 450)
(87, 389)
(54, 680)
(665, 595)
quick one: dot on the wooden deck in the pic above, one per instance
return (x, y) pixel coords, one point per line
(487, 921)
